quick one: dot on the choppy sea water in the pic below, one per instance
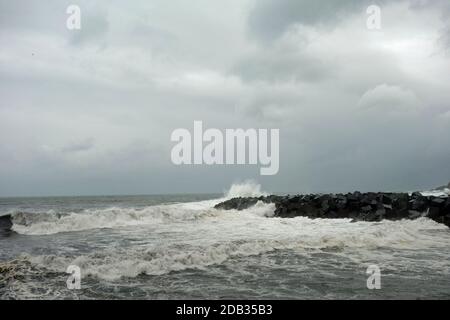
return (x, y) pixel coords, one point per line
(180, 247)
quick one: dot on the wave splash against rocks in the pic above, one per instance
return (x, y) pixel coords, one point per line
(357, 206)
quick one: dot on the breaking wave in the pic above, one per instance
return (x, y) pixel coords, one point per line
(245, 189)
(51, 222)
(233, 240)
(445, 192)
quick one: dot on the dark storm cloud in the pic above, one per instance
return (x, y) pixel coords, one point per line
(270, 19)
(91, 111)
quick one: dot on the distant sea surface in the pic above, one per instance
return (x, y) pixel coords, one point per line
(180, 247)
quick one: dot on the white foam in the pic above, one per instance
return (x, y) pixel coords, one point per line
(437, 193)
(246, 189)
(213, 241)
(51, 223)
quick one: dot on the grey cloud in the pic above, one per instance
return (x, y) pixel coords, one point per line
(390, 98)
(33, 15)
(270, 19)
(50, 18)
(272, 104)
(94, 28)
(444, 39)
(79, 146)
(282, 66)
(355, 110)
(158, 38)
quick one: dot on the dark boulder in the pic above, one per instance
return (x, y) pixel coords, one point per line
(5, 225)
(433, 213)
(437, 202)
(418, 203)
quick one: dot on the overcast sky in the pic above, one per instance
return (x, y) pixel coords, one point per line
(91, 111)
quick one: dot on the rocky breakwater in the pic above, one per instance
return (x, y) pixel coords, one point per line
(357, 206)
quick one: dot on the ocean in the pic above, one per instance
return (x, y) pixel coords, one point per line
(180, 247)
